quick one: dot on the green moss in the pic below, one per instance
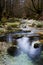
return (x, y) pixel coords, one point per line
(18, 29)
(13, 23)
(39, 25)
(13, 19)
(1, 31)
(4, 19)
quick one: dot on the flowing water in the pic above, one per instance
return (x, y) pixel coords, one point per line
(23, 58)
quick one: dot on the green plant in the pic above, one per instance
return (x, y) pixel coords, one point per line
(39, 25)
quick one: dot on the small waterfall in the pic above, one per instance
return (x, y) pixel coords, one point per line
(9, 38)
(24, 43)
(35, 50)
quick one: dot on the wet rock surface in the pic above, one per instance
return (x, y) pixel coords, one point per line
(13, 51)
(36, 45)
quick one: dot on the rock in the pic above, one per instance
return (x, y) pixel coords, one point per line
(12, 51)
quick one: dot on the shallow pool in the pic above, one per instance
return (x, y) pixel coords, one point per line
(22, 59)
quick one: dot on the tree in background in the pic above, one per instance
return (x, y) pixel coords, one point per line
(34, 8)
(2, 4)
(22, 8)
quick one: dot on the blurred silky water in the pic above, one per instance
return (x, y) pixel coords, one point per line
(22, 52)
(22, 59)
